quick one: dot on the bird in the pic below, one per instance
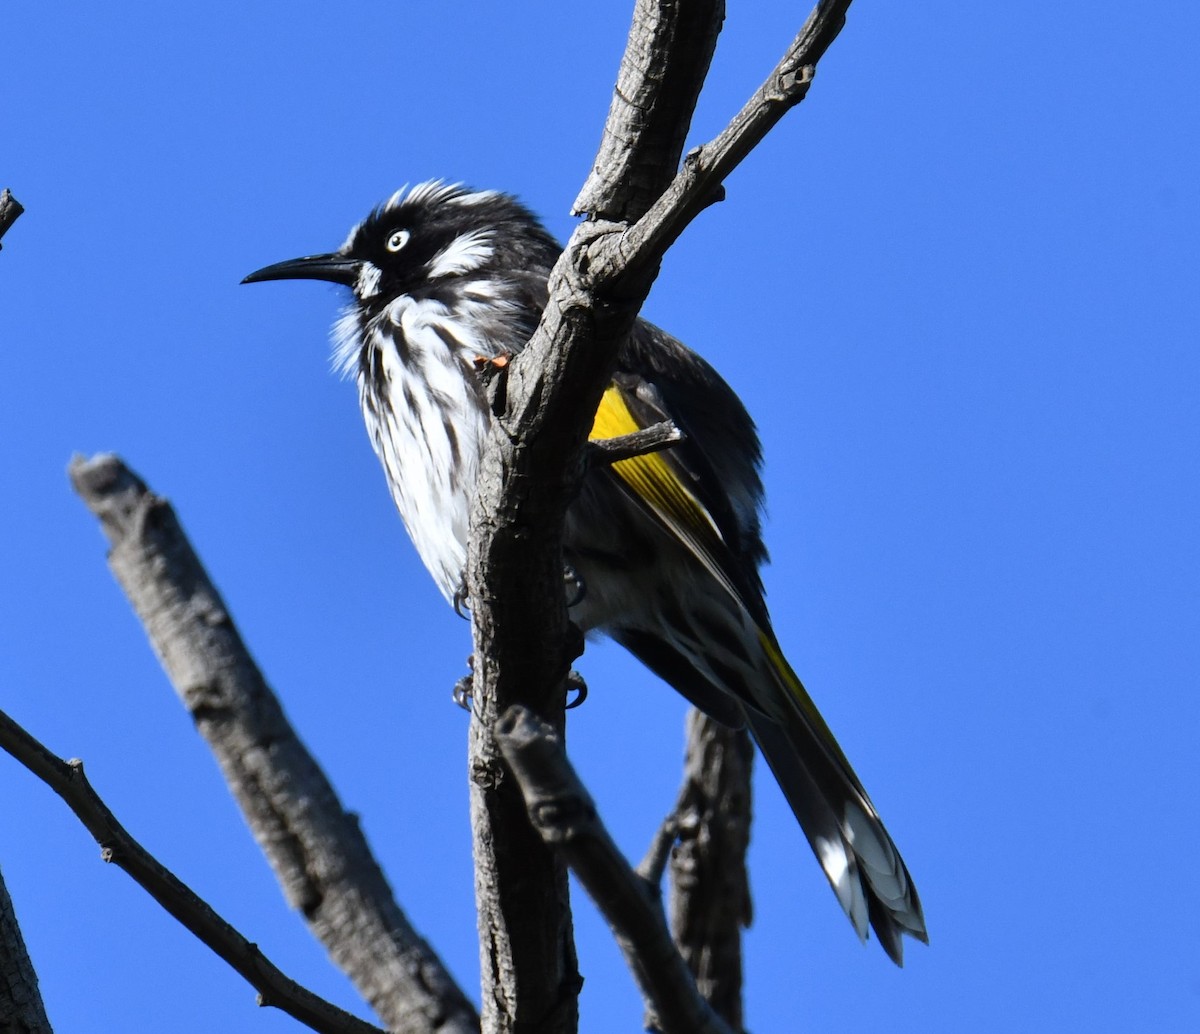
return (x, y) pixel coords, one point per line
(663, 549)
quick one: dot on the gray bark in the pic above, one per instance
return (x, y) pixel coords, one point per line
(564, 815)
(315, 846)
(534, 460)
(710, 889)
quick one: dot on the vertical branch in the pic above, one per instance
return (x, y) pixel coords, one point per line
(710, 888)
(21, 1008)
(532, 464)
(528, 476)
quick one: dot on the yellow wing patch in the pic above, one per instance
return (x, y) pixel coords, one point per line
(655, 483)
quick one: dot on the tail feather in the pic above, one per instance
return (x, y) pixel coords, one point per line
(725, 663)
(860, 860)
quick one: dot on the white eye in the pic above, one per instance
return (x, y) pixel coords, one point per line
(397, 240)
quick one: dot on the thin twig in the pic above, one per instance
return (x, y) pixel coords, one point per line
(700, 180)
(654, 863)
(562, 812)
(316, 848)
(66, 778)
(655, 438)
(10, 210)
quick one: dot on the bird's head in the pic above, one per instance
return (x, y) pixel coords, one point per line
(420, 239)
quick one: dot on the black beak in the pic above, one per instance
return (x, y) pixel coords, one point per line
(335, 268)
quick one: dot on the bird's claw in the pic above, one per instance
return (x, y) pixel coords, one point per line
(461, 601)
(464, 689)
(461, 694)
(576, 684)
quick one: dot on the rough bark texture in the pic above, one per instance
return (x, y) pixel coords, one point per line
(710, 891)
(663, 68)
(531, 469)
(530, 472)
(315, 846)
(21, 1008)
(564, 815)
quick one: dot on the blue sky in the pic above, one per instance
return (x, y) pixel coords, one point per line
(958, 289)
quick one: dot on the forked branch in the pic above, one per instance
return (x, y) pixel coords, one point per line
(534, 458)
(563, 813)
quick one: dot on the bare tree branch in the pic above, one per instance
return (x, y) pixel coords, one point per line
(530, 472)
(68, 781)
(698, 183)
(662, 71)
(563, 813)
(315, 846)
(10, 210)
(654, 438)
(21, 1008)
(523, 642)
(710, 891)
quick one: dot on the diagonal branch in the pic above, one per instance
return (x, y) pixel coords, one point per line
(700, 180)
(316, 847)
(66, 779)
(563, 813)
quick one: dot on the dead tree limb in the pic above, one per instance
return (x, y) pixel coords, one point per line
(316, 848)
(534, 460)
(654, 438)
(66, 778)
(528, 475)
(710, 891)
(564, 815)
